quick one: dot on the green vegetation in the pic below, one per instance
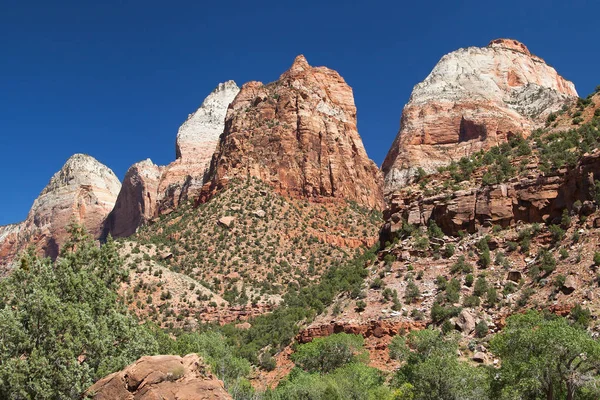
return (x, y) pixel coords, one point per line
(325, 355)
(61, 325)
(277, 329)
(432, 370)
(546, 358)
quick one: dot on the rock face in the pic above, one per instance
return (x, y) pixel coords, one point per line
(197, 138)
(473, 99)
(533, 198)
(160, 377)
(83, 191)
(298, 134)
(137, 199)
(149, 190)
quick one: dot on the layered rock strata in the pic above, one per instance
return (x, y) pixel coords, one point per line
(150, 190)
(533, 198)
(473, 99)
(298, 134)
(83, 191)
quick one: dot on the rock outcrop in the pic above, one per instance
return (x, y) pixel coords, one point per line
(83, 191)
(137, 200)
(161, 377)
(149, 190)
(298, 134)
(535, 197)
(473, 99)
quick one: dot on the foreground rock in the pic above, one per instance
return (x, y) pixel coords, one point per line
(83, 191)
(161, 377)
(298, 134)
(150, 190)
(473, 99)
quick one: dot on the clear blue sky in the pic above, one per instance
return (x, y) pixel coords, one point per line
(115, 79)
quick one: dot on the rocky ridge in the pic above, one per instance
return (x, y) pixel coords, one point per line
(473, 99)
(82, 191)
(298, 134)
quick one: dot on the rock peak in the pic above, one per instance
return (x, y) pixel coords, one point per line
(300, 64)
(197, 137)
(473, 99)
(81, 168)
(510, 44)
(298, 134)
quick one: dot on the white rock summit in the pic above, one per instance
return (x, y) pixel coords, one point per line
(474, 98)
(82, 191)
(199, 134)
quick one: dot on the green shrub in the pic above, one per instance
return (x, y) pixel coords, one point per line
(546, 261)
(412, 292)
(471, 301)
(469, 280)
(481, 286)
(481, 329)
(461, 265)
(326, 354)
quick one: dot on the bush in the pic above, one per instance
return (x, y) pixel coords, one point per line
(449, 250)
(453, 291)
(597, 258)
(481, 329)
(434, 231)
(440, 313)
(326, 354)
(412, 292)
(481, 286)
(461, 265)
(360, 305)
(492, 297)
(547, 261)
(471, 301)
(557, 233)
(469, 280)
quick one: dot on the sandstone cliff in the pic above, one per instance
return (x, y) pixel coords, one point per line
(474, 98)
(149, 190)
(533, 197)
(161, 377)
(83, 191)
(136, 202)
(298, 134)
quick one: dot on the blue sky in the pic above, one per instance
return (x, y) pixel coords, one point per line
(115, 79)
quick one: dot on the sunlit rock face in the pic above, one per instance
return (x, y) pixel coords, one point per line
(473, 99)
(298, 134)
(83, 191)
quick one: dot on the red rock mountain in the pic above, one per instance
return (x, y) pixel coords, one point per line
(83, 191)
(298, 134)
(473, 99)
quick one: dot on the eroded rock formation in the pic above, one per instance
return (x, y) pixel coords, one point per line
(150, 190)
(137, 200)
(535, 197)
(83, 191)
(298, 134)
(473, 99)
(161, 377)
